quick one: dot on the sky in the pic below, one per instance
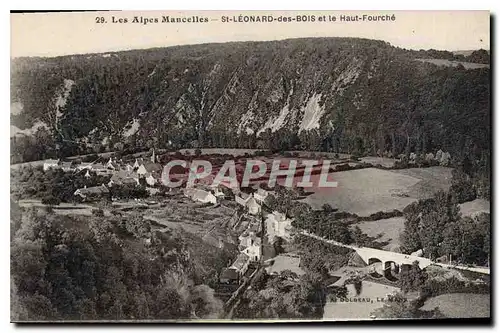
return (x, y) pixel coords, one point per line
(54, 34)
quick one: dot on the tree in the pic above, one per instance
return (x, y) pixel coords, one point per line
(359, 237)
(411, 278)
(51, 200)
(398, 307)
(204, 303)
(462, 188)
(436, 215)
(467, 240)
(409, 237)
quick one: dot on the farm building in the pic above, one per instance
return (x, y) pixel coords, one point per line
(200, 195)
(149, 168)
(92, 193)
(123, 177)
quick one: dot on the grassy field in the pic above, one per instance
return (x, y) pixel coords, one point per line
(430, 181)
(285, 262)
(358, 310)
(461, 305)
(390, 228)
(371, 190)
(181, 213)
(474, 207)
(364, 191)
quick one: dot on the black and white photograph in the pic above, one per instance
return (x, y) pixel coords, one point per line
(250, 166)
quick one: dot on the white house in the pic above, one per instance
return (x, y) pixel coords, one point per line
(253, 252)
(150, 180)
(252, 206)
(240, 265)
(111, 164)
(278, 225)
(218, 192)
(242, 198)
(247, 239)
(136, 164)
(100, 168)
(260, 195)
(50, 164)
(84, 166)
(250, 245)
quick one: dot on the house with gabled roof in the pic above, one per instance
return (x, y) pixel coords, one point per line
(112, 165)
(242, 198)
(136, 164)
(241, 264)
(148, 167)
(92, 193)
(123, 177)
(278, 225)
(199, 195)
(260, 195)
(253, 207)
(152, 179)
(250, 244)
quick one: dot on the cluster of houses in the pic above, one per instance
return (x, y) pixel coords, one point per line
(250, 243)
(277, 225)
(121, 173)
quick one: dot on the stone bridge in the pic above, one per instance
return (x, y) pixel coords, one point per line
(390, 260)
(371, 256)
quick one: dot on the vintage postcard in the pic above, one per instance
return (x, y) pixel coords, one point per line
(250, 166)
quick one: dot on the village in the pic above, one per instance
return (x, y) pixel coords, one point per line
(241, 219)
(256, 227)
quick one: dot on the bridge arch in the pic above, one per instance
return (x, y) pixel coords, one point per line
(391, 271)
(376, 268)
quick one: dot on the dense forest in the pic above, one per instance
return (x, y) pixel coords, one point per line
(109, 268)
(348, 95)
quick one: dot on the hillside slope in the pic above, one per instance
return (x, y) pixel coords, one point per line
(335, 94)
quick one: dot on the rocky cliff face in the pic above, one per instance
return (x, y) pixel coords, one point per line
(349, 94)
